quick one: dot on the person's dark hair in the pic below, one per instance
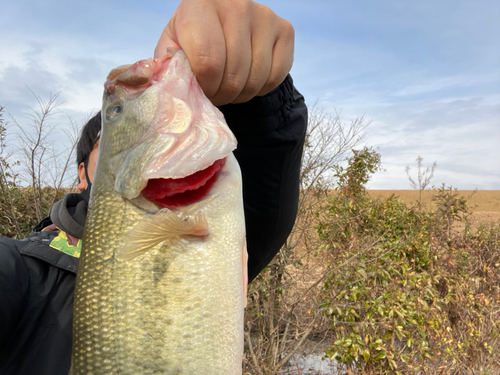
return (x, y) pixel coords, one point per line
(88, 138)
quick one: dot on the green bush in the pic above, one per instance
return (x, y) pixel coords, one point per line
(411, 294)
(18, 216)
(22, 206)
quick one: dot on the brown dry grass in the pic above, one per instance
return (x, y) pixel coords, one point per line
(484, 204)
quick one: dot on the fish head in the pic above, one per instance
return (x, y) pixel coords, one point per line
(161, 138)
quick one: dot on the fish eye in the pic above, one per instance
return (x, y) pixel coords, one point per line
(113, 111)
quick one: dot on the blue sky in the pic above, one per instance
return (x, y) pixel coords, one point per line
(426, 74)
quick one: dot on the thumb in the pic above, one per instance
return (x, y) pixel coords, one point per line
(167, 39)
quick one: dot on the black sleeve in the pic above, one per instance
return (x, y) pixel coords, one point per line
(270, 130)
(13, 289)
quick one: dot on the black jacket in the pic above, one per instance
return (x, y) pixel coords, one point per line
(37, 281)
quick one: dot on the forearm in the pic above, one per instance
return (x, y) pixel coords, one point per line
(270, 132)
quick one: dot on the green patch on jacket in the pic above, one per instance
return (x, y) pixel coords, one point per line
(61, 243)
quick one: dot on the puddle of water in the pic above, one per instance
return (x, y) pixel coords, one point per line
(311, 364)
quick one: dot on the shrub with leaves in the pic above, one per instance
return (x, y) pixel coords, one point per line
(34, 171)
(409, 294)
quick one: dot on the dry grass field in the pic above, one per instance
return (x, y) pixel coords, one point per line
(484, 204)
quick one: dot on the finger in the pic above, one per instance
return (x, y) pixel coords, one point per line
(282, 61)
(262, 54)
(166, 40)
(202, 42)
(204, 46)
(259, 73)
(238, 41)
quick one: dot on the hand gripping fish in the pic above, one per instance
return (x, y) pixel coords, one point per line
(161, 281)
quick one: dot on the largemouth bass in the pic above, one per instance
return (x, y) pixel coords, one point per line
(161, 280)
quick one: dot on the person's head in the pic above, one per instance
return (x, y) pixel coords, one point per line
(86, 150)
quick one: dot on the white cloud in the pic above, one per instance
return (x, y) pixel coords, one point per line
(429, 83)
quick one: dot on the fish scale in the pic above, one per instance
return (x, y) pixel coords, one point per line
(177, 308)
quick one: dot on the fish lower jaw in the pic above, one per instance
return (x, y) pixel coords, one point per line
(180, 192)
(144, 205)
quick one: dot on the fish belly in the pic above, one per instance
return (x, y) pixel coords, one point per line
(178, 309)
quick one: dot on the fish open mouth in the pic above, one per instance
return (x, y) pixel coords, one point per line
(177, 192)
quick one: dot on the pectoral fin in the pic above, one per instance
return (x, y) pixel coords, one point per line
(165, 225)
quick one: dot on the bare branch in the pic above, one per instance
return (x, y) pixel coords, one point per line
(424, 177)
